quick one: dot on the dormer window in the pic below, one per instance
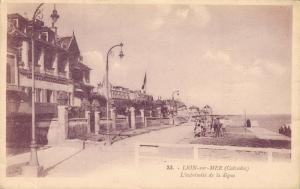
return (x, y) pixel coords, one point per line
(15, 22)
(44, 36)
(80, 59)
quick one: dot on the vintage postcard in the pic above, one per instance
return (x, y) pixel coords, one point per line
(150, 94)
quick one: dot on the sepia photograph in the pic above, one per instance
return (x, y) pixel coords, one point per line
(112, 90)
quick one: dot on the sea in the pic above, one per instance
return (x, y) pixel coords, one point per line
(271, 122)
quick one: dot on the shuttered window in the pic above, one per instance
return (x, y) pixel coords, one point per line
(11, 69)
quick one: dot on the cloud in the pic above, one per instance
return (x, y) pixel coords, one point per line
(177, 14)
(270, 67)
(156, 23)
(164, 9)
(182, 12)
(201, 14)
(217, 57)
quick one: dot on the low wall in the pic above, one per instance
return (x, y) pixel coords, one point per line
(153, 121)
(18, 131)
(102, 125)
(42, 128)
(166, 121)
(180, 120)
(77, 127)
(121, 124)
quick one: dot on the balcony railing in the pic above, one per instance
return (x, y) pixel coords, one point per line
(62, 74)
(49, 71)
(46, 108)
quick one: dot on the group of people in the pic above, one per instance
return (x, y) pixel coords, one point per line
(285, 130)
(216, 127)
(200, 129)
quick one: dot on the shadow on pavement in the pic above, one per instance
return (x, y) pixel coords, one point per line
(45, 172)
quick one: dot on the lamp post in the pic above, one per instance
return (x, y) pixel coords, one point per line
(33, 168)
(108, 140)
(174, 92)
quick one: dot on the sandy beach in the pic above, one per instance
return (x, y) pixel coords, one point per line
(239, 136)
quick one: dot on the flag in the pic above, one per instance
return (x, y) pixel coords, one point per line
(144, 83)
(102, 87)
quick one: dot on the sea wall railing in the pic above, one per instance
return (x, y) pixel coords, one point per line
(162, 151)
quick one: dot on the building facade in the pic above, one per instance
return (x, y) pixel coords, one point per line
(59, 71)
(60, 75)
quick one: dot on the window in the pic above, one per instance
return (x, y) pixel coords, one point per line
(44, 36)
(49, 97)
(38, 93)
(29, 93)
(19, 55)
(87, 77)
(69, 99)
(15, 22)
(11, 69)
(54, 95)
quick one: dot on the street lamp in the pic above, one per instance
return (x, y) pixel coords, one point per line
(174, 92)
(33, 168)
(121, 55)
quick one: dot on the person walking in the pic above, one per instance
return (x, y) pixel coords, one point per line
(216, 128)
(223, 129)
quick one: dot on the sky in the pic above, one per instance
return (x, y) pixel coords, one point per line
(233, 58)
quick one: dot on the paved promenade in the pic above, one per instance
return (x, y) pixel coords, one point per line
(70, 159)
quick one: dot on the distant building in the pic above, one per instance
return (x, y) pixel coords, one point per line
(118, 92)
(194, 111)
(139, 95)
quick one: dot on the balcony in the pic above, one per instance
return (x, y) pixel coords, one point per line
(24, 107)
(49, 71)
(45, 108)
(62, 74)
(37, 69)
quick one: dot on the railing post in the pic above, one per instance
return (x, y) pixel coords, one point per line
(270, 156)
(146, 125)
